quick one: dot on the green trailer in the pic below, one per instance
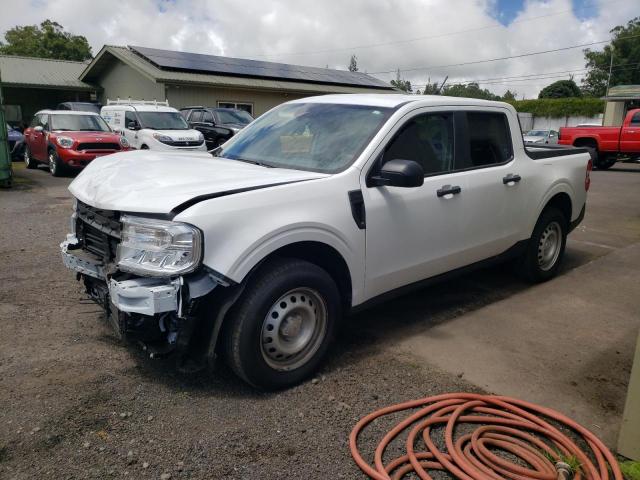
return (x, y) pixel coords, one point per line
(6, 172)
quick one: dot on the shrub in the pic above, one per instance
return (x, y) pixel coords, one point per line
(560, 107)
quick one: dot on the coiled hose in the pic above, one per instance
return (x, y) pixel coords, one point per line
(502, 424)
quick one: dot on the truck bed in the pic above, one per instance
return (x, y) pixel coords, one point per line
(549, 151)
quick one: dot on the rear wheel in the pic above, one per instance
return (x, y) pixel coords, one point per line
(56, 167)
(28, 159)
(542, 258)
(283, 324)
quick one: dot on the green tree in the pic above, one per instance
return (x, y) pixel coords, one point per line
(353, 64)
(48, 40)
(431, 88)
(561, 89)
(509, 96)
(404, 85)
(626, 60)
(469, 90)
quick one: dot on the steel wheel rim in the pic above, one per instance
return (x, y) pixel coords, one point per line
(293, 329)
(549, 246)
(52, 164)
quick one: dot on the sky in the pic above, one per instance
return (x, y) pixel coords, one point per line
(426, 39)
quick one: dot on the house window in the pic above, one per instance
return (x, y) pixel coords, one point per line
(247, 107)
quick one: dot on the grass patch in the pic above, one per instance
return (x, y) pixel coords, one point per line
(630, 470)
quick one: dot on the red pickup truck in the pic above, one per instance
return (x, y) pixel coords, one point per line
(606, 144)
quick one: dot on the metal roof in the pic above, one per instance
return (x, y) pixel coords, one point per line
(105, 57)
(622, 93)
(32, 72)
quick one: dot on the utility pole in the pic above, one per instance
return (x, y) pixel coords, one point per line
(610, 68)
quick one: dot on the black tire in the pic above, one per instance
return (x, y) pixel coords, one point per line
(56, 167)
(144, 147)
(29, 161)
(245, 330)
(605, 163)
(532, 264)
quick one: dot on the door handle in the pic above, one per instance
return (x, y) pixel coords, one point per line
(448, 190)
(511, 178)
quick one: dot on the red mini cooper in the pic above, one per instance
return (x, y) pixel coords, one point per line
(69, 140)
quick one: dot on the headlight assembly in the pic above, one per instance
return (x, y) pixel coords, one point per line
(157, 247)
(163, 138)
(65, 142)
(124, 142)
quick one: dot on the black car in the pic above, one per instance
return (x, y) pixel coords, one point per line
(80, 106)
(216, 124)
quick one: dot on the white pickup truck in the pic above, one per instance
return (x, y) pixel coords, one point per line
(321, 206)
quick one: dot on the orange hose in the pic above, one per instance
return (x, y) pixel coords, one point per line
(505, 424)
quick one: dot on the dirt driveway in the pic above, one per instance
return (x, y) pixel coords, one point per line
(76, 403)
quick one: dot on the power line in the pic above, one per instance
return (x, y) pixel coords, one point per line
(542, 75)
(428, 37)
(529, 54)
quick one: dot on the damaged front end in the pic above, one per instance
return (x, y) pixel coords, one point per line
(146, 274)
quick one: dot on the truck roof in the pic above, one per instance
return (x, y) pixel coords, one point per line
(392, 100)
(65, 112)
(140, 108)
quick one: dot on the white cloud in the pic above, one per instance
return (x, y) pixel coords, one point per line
(276, 30)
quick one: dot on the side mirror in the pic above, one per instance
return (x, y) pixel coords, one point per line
(133, 125)
(399, 173)
(38, 128)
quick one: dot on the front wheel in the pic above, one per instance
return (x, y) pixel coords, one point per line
(542, 258)
(283, 324)
(56, 167)
(28, 159)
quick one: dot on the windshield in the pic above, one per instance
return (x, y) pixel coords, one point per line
(320, 137)
(91, 123)
(537, 133)
(162, 121)
(234, 116)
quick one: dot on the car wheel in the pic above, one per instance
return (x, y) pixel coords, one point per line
(28, 159)
(282, 325)
(605, 163)
(144, 147)
(545, 250)
(55, 165)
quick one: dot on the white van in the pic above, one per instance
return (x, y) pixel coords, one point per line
(151, 125)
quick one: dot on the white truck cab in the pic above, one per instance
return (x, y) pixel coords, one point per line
(320, 206)
(151, 125)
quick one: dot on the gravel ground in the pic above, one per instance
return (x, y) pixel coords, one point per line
(77, 403)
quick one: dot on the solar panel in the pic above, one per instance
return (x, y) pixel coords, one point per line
(196, 62)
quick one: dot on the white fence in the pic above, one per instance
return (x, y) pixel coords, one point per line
(531, 122)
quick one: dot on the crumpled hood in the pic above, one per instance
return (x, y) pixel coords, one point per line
(148, 181)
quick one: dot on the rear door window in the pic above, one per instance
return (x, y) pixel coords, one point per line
(196, 116)
(488, 141)
(207, 116)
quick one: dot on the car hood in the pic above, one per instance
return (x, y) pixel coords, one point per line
(156, 182)
(533, 139)
(235, 126)
(89, 136)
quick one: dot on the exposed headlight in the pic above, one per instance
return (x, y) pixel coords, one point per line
(65, 142)
(158, 247)
(162, 138)
(124, 142)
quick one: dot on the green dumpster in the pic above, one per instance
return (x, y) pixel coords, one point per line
(6, 172)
